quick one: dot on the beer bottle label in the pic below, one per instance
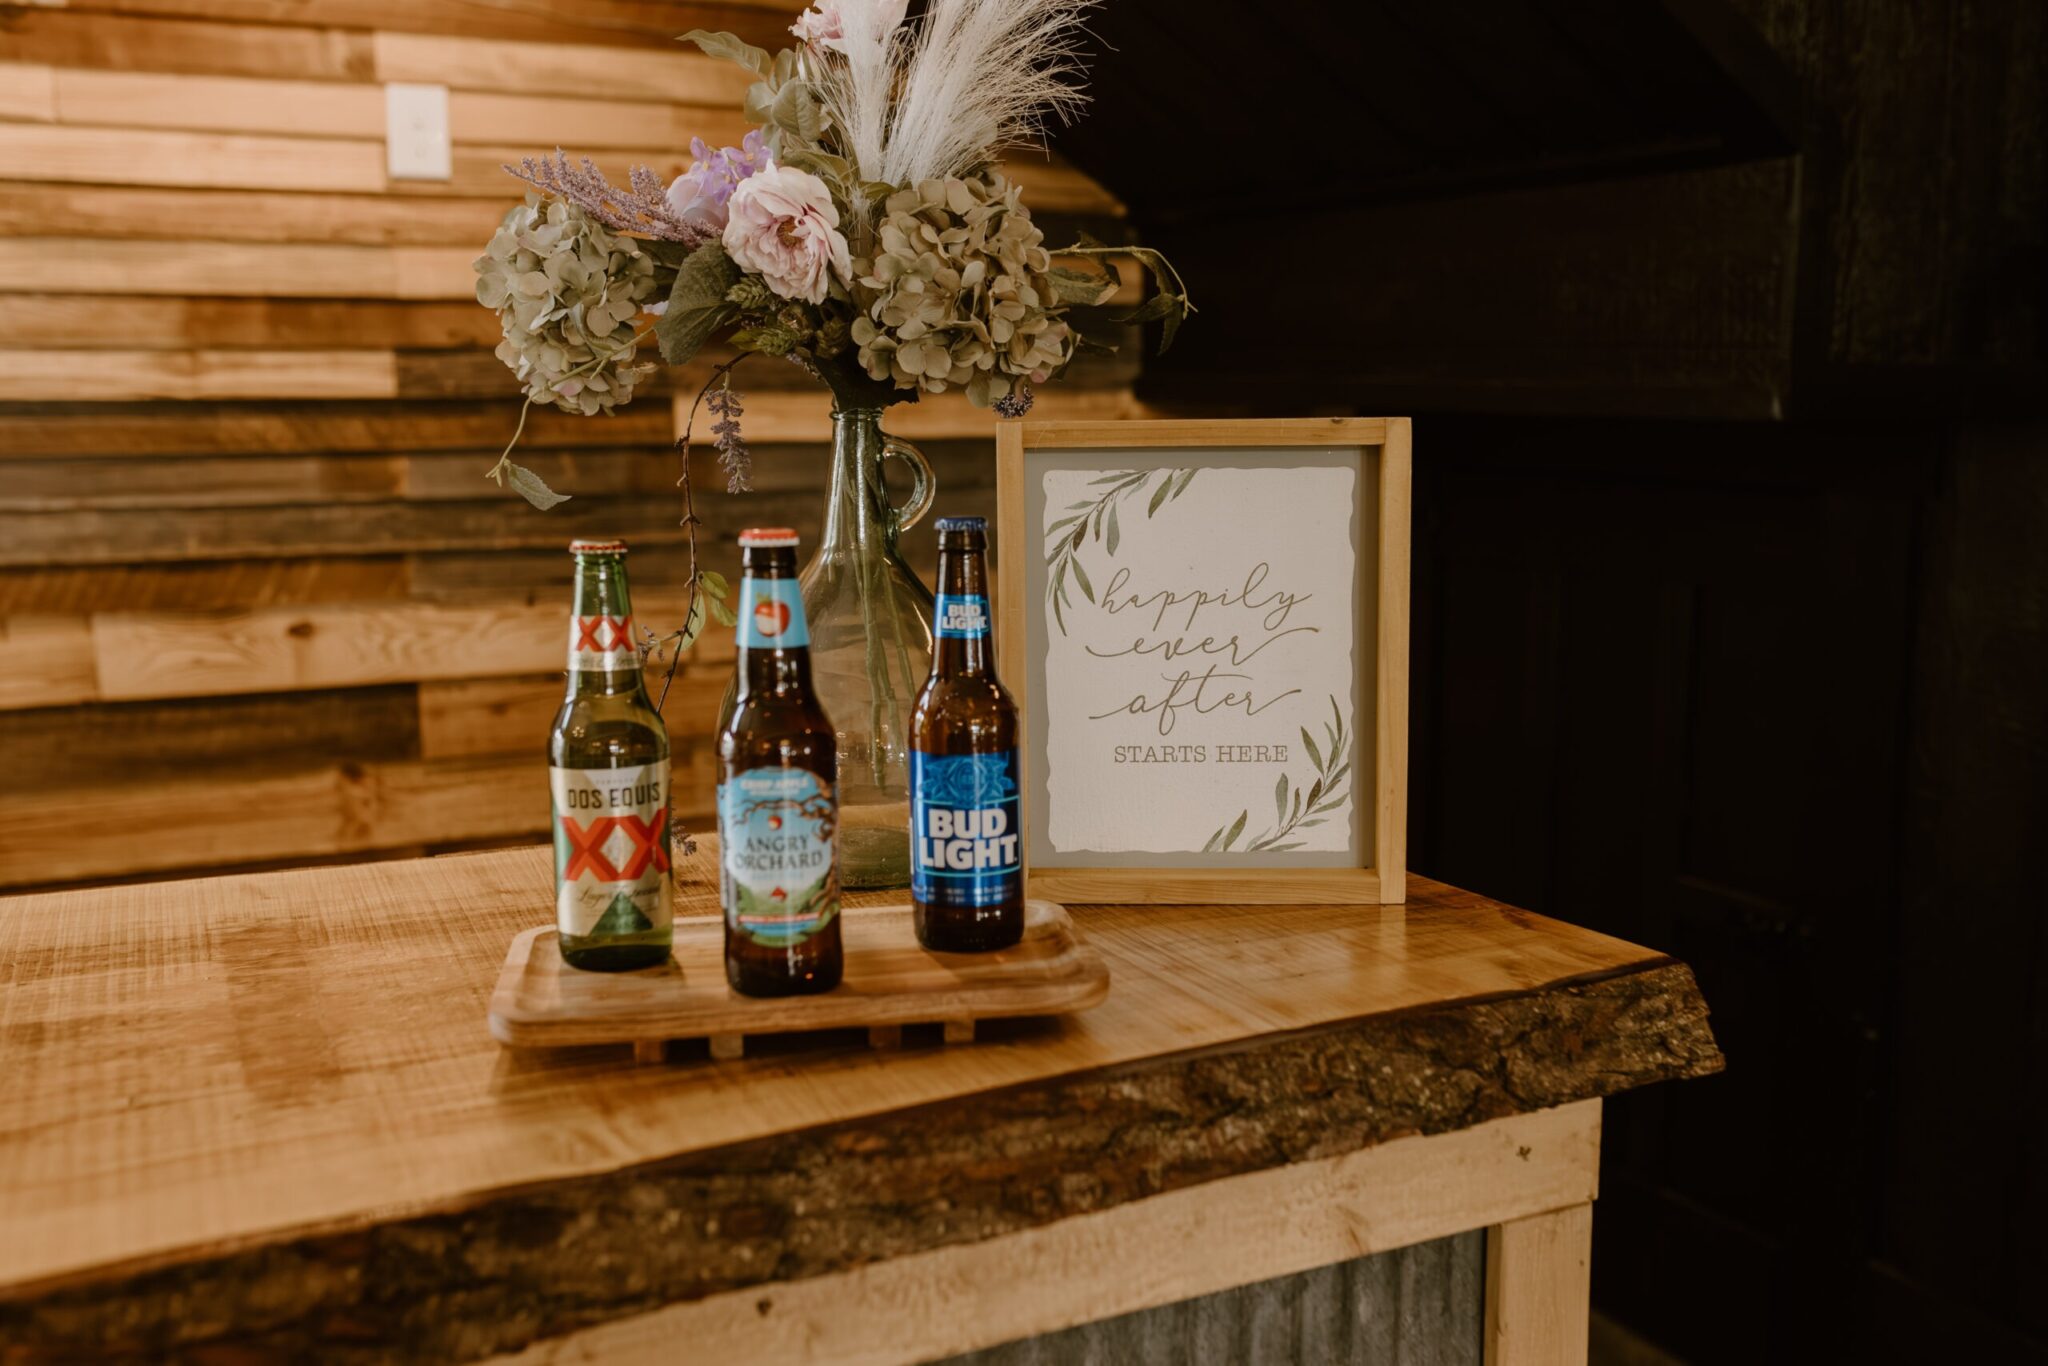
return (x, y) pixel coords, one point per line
(611, 849)
(602, 643)
(963, 616)
(772, 615)
(963, 812)
(778, 830)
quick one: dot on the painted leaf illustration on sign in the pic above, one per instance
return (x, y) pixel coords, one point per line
(1095, 519)
(1325, 794)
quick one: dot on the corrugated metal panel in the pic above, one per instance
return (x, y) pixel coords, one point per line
(1415, 1306)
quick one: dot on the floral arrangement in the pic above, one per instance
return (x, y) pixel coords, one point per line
(862, 232)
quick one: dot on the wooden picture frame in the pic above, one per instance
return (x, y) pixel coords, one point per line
(1380, 653)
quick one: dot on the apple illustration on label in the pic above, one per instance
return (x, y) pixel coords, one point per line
(771, 618)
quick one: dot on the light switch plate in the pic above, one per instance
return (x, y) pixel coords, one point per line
(416, 132)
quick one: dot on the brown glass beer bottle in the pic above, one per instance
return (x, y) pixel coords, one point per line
(966, 854)
(778, 803)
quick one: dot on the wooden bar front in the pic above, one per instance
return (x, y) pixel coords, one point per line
(263, 1113)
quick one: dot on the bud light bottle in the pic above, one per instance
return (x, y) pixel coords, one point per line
(967, 858)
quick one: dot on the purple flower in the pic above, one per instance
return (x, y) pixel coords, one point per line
(699, 194)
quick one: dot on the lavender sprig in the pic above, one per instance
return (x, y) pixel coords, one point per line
(642, 209)
(733, 456)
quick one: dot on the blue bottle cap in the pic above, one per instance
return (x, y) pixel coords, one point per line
(963, 524)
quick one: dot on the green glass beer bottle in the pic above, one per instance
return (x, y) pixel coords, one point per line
(608, 769)
(778, 791)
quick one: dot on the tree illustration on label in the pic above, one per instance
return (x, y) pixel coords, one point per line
(621, 917)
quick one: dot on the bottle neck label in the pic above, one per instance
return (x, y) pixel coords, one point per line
(966, 849)
(772, 615)
(778, 844)
(962, 616)
(611, 850)
(601, 644)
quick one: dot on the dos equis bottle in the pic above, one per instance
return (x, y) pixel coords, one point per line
(967, 861)
(778, 798)
(608, 768)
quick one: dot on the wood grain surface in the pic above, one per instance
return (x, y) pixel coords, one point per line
(204, 1073)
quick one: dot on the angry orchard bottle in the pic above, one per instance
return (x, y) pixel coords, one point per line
(608, 767)
(966, 859)
(778, 791)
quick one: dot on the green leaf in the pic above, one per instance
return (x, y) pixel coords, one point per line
(532, 487)
(714, 583)
(1315, 790)
(721, 611)
(1080, 286)
(1339, 718)
(1088, 241)
(1165, 487)
(697, 306)
(1061, 525)
(767, 341)
(1313, 753)
(1151, 311)
(796, 112)
(1081, 577)
(1235, 830)
(1110, 478)
(1280, 797)
(728, 47)
(1113, 533)
(1169, 326)
(1180, 485)
(1214, 840)
(1281, 848)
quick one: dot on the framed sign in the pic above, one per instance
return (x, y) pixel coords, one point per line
(1205, 625)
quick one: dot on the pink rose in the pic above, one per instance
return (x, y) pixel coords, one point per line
(819, 24)
(781, 223)
(824, 24)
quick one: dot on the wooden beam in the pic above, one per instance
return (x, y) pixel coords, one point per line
(219, 736)
(334, 109)
(1171, 1247)
(121, 211)
(56, 38)
(147, 655)
(49, 374)
(1539, 1284)
(240, 161)
(47, 661)
(467, 717)
(27, 92)
(54, 430)
(681, 75)
(201, 585)
(60, 833)
(79, 322)
(627, 23)
(62, 264)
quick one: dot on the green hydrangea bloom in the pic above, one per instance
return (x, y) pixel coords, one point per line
(955, 295)
(567, 291)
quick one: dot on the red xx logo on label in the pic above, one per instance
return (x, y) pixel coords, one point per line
(593, 851)
(590, 629)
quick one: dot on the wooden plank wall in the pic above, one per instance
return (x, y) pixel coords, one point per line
(257, 603)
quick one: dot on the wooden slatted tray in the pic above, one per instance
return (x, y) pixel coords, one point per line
(890, 981)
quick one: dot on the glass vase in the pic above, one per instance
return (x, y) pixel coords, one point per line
(870, 620)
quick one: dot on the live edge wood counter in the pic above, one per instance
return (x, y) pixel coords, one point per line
(259, 1117)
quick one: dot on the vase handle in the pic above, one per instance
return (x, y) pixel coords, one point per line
(923, 486)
